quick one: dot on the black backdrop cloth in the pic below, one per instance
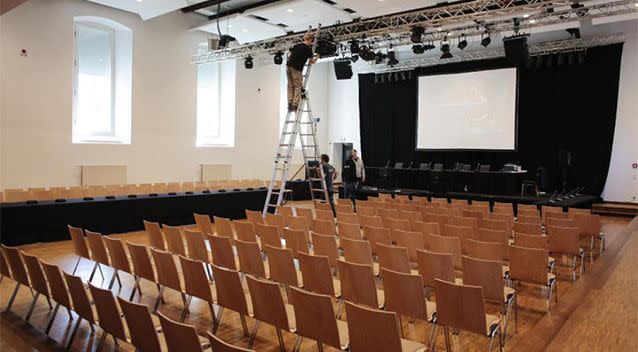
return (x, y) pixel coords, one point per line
(568, 107)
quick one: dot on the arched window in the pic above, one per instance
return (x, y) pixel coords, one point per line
(102, 81)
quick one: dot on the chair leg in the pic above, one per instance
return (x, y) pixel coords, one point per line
(52, 318)
(76, 265)
(251, 340)
(49, 302)
(298, 341)
(243, 324)
(72, 337)
(13, 296)
(448, 347)
(135, 287)
(101, 343)
(113, 279)
(582, 263)
(432, 339)
(515, 314)
(93, 271)
(212, 314)
(601, 236)
(218, 320)
(319, 346)
(159, 298)
(282, 345)
(99, 267)
(210, 274)
(340, 309)
(591, 249)
(574, 268)
(32, 307)
(185, 311)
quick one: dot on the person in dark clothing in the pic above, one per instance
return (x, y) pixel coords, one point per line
(330, 174)
(349, 178)
(297, 58)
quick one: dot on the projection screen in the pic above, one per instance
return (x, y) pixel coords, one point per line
(470, 110)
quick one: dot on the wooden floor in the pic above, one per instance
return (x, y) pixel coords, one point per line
(598, 312)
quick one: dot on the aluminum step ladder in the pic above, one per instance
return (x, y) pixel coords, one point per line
(298, 124)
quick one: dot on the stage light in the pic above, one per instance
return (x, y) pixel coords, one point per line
(445, 48)
(573, 32)
(429, 46)
(392, 58)
(462, 42)
(580, 9)
(278, 59)
(354, 46)
(418, 49)
(417, 34)
(486, 41)
(248, 62)
(354, 58)
(366, 54)
(379, 57)
(224, 40)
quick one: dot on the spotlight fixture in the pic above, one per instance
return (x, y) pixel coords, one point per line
(445, 48)
(418, 49)
(417, 34)
(366, 54)
(392, 58)
(224, 40)
(354, 58)
(248, 62)
(354, 46)
(574, 33)
(580, 9)
(462, 42)
(429, 46)
(486, 40)
(278, 59)
(379, 57)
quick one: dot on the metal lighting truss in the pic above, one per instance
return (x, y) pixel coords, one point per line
(451, 21)
(545, 48)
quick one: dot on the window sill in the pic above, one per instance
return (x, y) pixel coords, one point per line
(100, 141)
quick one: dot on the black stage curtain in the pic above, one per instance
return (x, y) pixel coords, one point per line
(567, 107)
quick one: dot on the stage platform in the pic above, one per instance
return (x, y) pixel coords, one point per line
(25, 223)
(615, 208)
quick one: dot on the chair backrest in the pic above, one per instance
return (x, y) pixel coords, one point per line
(155, 236)
(81, 302)
(534, 219)
(344, 208)
(463, 221)
(388, 213)
(315, 317)
(299, 223)
(179, 337)
(323, 227)
(222, 251)
(528, 265)
(397, 224)
(142, 266)
(428, 228)
(296, 240)
(429, 216)
(460, 232)
(551, 221)
(167, 274)
(276, 220)
(533, 229)
(404, 294)
(36, 275)
(254, 216)
(356, 251)
(140, 326)
(14, 260)
(347, 218)
(565, 240)
(394, 258)
(483, 250)
(305, 212)
(221, 346)
(498, 236)
(245, 231)
(474, 213)
(196, 245)
(365, 210)
(284, 210)
(527, 241)
(230, 293)
(442, 244)
(588, 225)
(203, 223)
(327, 246)
(324, 214)
(97, 247)
(527, 207)
(376, 235)
(357, 283)
(59, 292)
(269, 235)
(372, 221)
(372, 329)
(250, 260)
(107, 312)
(460, 306)
(223, 227)
(434, 265)
(493, 224)
(316, 273)
(174, 240)
(268, 304)
(195, 279)
(349, 230)
(484, 273)
(119, 258)
(79, 244)
(4, 267)
(281, 265)
(410, 240)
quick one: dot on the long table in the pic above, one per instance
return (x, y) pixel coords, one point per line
(446, 181)
(24, 223)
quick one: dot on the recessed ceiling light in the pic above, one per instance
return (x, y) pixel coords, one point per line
(244, 30)
(532, 21)
(140, 0)
(290, 10)
(230, 26)
(526, 15)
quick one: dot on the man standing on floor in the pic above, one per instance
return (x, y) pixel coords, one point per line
(297, 58)
(361, 170)
(349, 178)
(330, 174)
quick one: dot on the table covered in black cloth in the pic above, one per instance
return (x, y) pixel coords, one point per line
(445, 181)
(22, 223)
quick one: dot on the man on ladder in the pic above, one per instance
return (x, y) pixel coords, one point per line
(297, 58)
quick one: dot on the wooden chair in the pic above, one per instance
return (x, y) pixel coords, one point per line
(220, 346)
(269, 307)
(410, 240)
(462, 307)
(268, 235)
(404, 295)
(357, 284)
(140, 326)
(230, 294)
(442, 244)
(282, 266)
(118, 257)
(366, 210)
(284, 210)
(250, 259)
(527, 207)
(99, 253)
(433, 266)
(326, 246)
(349, 230)
(180, 337)
(532, 229)
(81, 302)
(18, 271)
(315, 319)
(372, 221)
(376, 235)
(142, 267)
(4, 268)
(460, 232)
(323, 206)
(38, 282)
(529, 217)
(432, 217)
(566, 241)
(323, 227)
(463, 221)
(109, 316)
(376, 330)
(254, 216)
(496, 236)
(589, 227)
(223, 227)
(317, 275)
(222, 252)
(491, 224)
(79, 246)
(167, 276)
(397, 224)
(359, 252)
(306, 213)
(492, 251)
(428, 228)
(245, 231)
(347, 218)
(388, 213)
(276, 220)
(196, 245)
(174, 240)
(300, 224)
(530, 265)
(325, 214)
(474, 213)
(394, 258)
(203, 222)
(559, 222)
(196, 284)
(155, 236)
(344, 208)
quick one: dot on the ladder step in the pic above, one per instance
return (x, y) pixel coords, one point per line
(317, 189)
(315, 179)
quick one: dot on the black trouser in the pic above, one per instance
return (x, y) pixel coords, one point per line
(350, 191)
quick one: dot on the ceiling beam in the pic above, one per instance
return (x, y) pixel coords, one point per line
(241, 9)
(202, 5)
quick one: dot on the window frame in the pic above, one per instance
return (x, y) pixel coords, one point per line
(221, 140)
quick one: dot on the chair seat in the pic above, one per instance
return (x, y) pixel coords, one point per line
(550, 278)
(375, 269)
(431, 309)
(508, 292)
(380, 298)
(337, 286)
(290, 313)
(342, 329)
(506, 271)
(411, 346)
(491, 323)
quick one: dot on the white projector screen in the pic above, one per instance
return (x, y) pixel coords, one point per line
(470, 110)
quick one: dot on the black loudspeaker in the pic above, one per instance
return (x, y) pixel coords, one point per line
(565, 158)
(343, 70)
(516, 50)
